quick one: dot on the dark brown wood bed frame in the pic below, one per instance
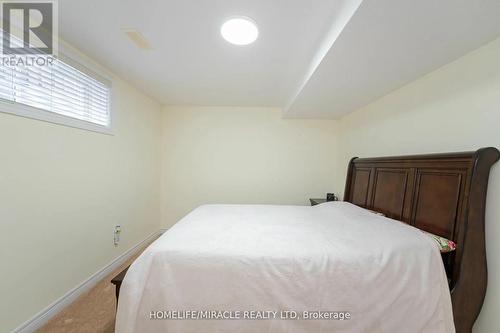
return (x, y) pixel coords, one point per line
(441, 193)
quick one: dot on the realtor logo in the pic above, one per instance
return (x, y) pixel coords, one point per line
(29, 28)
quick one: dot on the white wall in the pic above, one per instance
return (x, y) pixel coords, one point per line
(62, 191)
(242, 155)
(456, 108)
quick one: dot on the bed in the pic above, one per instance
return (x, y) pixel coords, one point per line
(334, 267)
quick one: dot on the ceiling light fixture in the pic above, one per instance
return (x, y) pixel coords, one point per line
(240, 31)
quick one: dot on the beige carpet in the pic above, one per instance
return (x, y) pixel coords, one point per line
(91, 312)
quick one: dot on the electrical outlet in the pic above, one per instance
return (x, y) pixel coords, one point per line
(118, 230)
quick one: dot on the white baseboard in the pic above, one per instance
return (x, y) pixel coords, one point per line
(46, 314)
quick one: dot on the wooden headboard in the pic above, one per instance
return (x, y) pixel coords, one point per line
(441, 193)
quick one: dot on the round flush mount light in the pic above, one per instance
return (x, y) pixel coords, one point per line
(240, 30)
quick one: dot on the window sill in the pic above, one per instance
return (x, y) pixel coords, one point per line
(50, 117)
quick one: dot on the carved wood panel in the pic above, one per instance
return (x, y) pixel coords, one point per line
(361, 187)
(389, 192)
(437, 200)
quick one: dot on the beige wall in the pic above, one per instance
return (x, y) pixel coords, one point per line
(62, 191)
(242, 155)
(455, 108)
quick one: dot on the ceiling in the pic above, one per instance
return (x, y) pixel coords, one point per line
(313, 58)
(190, 62)
(389, 43)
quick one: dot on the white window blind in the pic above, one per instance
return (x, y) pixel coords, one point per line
(71, 91)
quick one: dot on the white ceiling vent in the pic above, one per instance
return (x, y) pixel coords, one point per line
(138, 39)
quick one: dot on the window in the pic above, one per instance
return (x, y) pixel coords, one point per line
(64, 92)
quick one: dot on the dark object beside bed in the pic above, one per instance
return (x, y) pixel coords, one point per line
(441, 193)
(117, 281)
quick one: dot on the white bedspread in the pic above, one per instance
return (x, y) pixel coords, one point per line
(331, 257)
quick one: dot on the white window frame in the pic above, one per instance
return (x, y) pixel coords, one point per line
(70, 58)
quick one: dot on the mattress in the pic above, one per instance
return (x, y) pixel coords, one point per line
(334, 267)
